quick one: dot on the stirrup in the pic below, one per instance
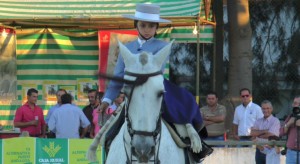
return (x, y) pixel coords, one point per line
(205, 151)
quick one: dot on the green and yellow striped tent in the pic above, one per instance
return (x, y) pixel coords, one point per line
(57, 40)
(99, 14)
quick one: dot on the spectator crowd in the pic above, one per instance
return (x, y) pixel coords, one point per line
(250, 122)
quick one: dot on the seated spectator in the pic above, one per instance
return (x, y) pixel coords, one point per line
(214, 115)
(67, 119)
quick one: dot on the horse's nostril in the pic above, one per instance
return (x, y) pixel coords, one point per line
(134, 152)
(152, 150)
(141, 157)
(142, 152)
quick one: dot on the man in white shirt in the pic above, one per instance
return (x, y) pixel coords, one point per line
(245, 115)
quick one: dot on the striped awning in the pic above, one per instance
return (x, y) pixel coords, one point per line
(90, 8)
(92, 14)
(185, 34)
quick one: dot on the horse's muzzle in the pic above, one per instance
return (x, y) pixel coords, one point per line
(143, 148)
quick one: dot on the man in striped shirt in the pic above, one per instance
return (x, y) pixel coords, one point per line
(290, 127)
(265, 127)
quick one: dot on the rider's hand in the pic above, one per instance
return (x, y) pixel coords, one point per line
(104, 105)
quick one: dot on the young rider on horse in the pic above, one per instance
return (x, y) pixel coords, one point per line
(180, 105)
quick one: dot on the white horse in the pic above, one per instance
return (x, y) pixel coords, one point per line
(144, 138)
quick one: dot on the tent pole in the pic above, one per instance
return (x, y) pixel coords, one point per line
(198, 62)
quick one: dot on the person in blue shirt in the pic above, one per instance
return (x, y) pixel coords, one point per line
(59, 93)
(67, 119)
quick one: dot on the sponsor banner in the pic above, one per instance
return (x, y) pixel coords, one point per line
(28, 150)
(51, 151)
(18, 150)
(1, 156)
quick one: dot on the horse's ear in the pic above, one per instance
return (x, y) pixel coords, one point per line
(125, 53)
(162, 54)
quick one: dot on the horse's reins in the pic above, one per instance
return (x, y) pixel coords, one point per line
(140, 79)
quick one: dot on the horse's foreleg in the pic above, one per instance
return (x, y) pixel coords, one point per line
(181, 130)
(187, 130)
(194, 137)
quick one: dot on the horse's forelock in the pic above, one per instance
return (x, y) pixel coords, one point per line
(142, 63)
(143, 58)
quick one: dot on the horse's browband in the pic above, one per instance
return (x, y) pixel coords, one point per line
(141, 78)
(143, 75)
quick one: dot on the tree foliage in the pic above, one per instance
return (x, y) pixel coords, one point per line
(275, 41)
(275, 28)
(183, 61)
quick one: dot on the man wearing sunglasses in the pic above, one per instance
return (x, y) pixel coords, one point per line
(245, 115)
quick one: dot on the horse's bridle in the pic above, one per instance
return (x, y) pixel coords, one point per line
(141, 79)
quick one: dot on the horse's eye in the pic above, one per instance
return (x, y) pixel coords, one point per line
(160, 93)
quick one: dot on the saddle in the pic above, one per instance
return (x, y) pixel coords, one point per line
(185, 143)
